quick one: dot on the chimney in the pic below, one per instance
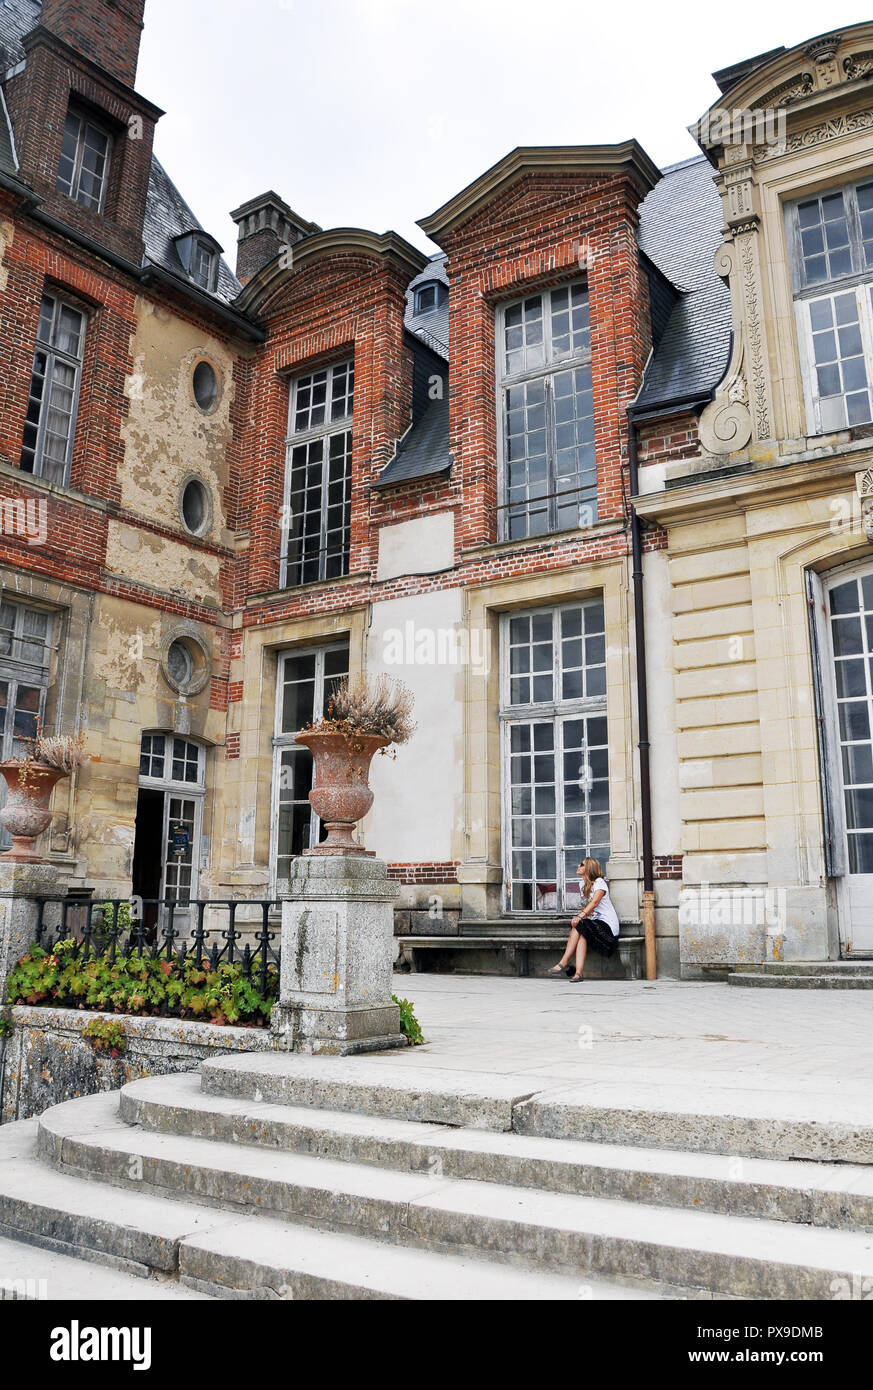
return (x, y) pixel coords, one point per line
(106, 31)
(266, 225)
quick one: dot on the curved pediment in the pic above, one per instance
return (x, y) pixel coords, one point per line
(812, 74)
(336, 241)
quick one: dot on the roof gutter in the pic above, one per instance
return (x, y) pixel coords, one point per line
(144, 274)
(150, 273)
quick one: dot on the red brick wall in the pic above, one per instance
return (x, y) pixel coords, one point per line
(666, 440)
(342, 306)
(106, 31)
(75, 548)
(38, 99)
(544, 230)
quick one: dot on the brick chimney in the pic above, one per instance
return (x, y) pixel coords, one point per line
(266, 224)
(106, 31)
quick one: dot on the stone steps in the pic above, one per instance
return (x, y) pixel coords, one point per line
(575, 1235)
(32, 1274)
(293, 1176)
(730, 1122)
(89, 1238)
(832, 974)
(821, 1194)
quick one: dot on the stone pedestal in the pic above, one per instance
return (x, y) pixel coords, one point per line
(22, 885)
(337, 956)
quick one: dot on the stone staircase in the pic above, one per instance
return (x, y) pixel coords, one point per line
(286, 1176)
(826, 974)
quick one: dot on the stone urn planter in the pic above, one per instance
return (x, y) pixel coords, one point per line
(26, 813)
(341, 794)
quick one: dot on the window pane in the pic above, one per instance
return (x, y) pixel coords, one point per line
(841, 375)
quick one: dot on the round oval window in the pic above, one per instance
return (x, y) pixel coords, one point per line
(205, 385)
(180, 663)
(194, 506)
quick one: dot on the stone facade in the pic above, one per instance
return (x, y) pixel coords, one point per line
(737, 494)
(758, 519)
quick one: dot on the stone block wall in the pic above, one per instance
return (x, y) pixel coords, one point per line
(46, 1059)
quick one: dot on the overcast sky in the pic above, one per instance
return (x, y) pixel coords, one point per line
(372, 113)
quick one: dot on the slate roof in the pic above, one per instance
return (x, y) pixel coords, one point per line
(424, 450)
(167, 214)
(433, 328)
(680, 230)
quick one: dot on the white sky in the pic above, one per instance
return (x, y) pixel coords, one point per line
(372, 113)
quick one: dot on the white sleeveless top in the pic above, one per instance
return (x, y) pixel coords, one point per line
(604, 909)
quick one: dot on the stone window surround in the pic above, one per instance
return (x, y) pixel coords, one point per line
(481, 867)
(254, 718)
(811, 170)
(72, 610)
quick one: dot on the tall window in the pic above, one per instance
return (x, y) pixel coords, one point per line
(54, 390)
(172, 781)
(831, 241)
(84, 162)
(555, 754)
(319, 475)
(306, 681)
(544, 380)
(25, 635)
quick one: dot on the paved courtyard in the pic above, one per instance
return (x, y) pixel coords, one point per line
(670, 1045)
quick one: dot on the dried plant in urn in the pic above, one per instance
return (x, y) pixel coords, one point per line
(31, 781)
(363, 717)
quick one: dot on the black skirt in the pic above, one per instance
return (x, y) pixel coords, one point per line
(599, 935)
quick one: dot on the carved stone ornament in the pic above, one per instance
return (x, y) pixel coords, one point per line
(864, 489)
(823, 53)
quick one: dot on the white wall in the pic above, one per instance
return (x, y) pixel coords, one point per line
(419, 796)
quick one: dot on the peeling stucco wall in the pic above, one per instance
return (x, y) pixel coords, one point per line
(166, 436)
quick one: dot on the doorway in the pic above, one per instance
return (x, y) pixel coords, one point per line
(169, 812)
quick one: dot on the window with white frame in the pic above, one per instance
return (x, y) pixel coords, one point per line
(306, 681)
(25, 637)
(429, 297)
(546, 413)
(318, 489)
(555, 755)
(831, 242)
(204, 263)
(54, 390)
(176, 768)
(83, 169)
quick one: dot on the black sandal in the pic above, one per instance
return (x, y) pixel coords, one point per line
(577, 979)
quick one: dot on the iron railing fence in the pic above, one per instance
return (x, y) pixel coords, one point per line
(168, 928)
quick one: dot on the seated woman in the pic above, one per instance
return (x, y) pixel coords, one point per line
(596, 925)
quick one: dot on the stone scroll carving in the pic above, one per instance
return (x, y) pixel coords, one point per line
(864, 489)
(740, 412)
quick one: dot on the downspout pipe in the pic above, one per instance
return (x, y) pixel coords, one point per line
(648, 897)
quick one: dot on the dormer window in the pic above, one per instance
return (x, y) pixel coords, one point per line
(84, 165)
(429, 297)
(199, 256)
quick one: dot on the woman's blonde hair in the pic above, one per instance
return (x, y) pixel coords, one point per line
(592, 869)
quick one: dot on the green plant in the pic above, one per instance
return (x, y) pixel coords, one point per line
(105, 1035)
(138, 984)
(6, 1027)
(125, 918)
(409, 1024)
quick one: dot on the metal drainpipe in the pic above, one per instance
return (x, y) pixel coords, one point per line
(648, 900)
